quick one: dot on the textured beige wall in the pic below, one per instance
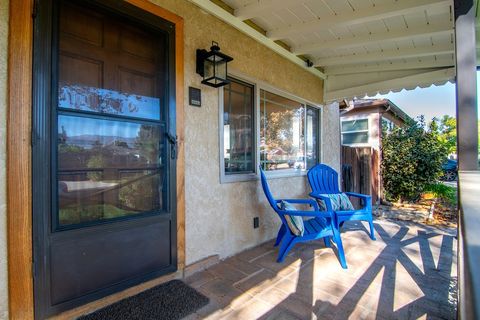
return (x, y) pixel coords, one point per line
(331, 136)
(3, 112)
(219, 217)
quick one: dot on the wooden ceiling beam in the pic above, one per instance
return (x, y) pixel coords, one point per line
(238, 24)
(428, 30)
(257, 9)
(373, 13)
(385, 55)
(356, 69)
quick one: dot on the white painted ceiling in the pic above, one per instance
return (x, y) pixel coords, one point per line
(361, 45)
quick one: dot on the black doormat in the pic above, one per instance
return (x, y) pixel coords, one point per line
(171, 300)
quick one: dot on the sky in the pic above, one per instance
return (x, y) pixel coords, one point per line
(77, 126)
(434, 101)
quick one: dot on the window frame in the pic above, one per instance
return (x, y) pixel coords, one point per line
(259, 85)
(363, 144)
(391, 125)
(226, 178)
(318, 136)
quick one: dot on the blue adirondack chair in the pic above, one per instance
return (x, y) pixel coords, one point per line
(321, 225)
(324, 180)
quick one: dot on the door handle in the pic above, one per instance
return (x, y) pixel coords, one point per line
(173, 140)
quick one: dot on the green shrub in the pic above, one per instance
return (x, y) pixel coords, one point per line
(411, 159)
(443, 191)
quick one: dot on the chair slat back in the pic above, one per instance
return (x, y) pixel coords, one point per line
(323, 179)
(271, 200)
(266, 190)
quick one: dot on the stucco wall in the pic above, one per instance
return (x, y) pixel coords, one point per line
(3, 112)
(219, 217)
(331, 147)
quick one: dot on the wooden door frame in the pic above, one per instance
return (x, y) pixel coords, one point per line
(19, 155)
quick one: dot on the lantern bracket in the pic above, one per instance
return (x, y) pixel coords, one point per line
(201, 54)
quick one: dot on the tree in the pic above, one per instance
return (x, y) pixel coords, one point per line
(412, 158)
(147, 143)
(446, 127)
(96, 161)
(278, 129)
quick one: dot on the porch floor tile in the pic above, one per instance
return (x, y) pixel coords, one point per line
(409, 272)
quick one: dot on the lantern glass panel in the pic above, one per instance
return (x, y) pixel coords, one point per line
(214, 58)
(208, 69)
(221, 70)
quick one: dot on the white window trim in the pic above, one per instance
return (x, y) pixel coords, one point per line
(367, 144)
(261, 85)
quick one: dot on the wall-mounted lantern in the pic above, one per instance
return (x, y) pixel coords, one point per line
(212, 66)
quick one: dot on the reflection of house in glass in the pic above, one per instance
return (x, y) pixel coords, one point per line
(86, 98)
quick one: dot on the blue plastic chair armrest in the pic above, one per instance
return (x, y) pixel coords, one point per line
(367, 198)
(358, 195)
(325, 199)
(324, 214)
(310, 202)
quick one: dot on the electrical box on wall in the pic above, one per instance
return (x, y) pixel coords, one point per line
(194, 97)
(255, 223)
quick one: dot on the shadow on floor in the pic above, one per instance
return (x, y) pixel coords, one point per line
(405, 274)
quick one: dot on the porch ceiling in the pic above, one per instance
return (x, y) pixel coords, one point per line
(361, 46)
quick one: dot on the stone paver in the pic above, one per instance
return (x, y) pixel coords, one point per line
(408, 273)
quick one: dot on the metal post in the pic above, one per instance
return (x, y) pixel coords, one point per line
(467, 150)
(466, 89)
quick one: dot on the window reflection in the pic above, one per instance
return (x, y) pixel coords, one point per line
(238, 128)
(85, 98)
(312, 142)
(282, 134)
(107, 169)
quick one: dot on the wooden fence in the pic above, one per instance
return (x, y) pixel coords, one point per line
(361, 171)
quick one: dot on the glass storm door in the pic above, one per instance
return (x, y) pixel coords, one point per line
(104, 207)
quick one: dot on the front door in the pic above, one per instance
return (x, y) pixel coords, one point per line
(103, 151)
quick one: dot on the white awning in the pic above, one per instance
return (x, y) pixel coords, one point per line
(359, 46)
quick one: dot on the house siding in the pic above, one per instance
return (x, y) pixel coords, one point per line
(396, 120)
(3, 149)
(374, 115)
(331, 140)
(374, 129)
(219, 217)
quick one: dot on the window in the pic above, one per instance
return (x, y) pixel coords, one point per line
(387, 125)
(355, 132)
(289, 132)
(238, 124)
(282, 134)
(313, 136)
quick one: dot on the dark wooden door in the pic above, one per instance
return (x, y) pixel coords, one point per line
(104, 170)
